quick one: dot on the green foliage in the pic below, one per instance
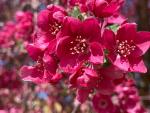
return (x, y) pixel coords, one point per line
(77, 13)
(113, 27)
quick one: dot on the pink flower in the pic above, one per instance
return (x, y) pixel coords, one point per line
(104, 8)
(45, 68)
(78, 42)
(110, 77)
(50, 20)
(103, 104)
(24, 25)
(42, 50)
(85, 80)
(125, 49)
(128, 97)
(7, 34)
(20, 15)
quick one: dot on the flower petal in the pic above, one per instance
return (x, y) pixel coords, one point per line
(110, 9)
(82, 95)
(94, 33)
(122, 64)
(108, 39)
(116, 73)
(137, 65)
(34, 51)
(143, 41)
(44, 19)
(72, 25)
(50, 63)
(127, 32)
(29, 73)
(97, 55)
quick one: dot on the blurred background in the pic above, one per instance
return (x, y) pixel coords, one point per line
(24, 97)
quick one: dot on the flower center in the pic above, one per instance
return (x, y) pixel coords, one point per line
(55, 28)
(124, 48)
(79, 45)
(103, 104)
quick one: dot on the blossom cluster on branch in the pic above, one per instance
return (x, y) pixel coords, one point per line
(94, 54)
(89, 45)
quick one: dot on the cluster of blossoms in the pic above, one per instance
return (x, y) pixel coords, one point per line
(124, 100)
(13, 35)
(19, 29)
(31, 98)
(78, 44)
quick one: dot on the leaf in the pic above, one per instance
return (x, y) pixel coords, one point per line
(113, 27)
(77, 13)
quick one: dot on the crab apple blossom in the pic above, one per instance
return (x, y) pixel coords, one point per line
(78, 42)
(128, 98)
(104, 8)
(45, 68)
(50, 20)
(125, 99)
(80, 48)
(103, 104)
(85, 80)
(126, 47)
(109, 78)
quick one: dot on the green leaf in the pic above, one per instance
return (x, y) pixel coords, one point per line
(113, 27)
(77, 13)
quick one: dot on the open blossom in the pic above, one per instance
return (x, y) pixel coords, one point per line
(45, 68)
(50, 20)
(94, 60)
(85, 80)
(125, 49)
(103, 80)
(104, 8)
(103, 104)
(128, 98)
(78, 42)
(124, 100)
(42, 50)
(109, 78)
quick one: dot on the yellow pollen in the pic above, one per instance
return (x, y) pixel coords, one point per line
(124, 48)
(55, 28)
(80, 45)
